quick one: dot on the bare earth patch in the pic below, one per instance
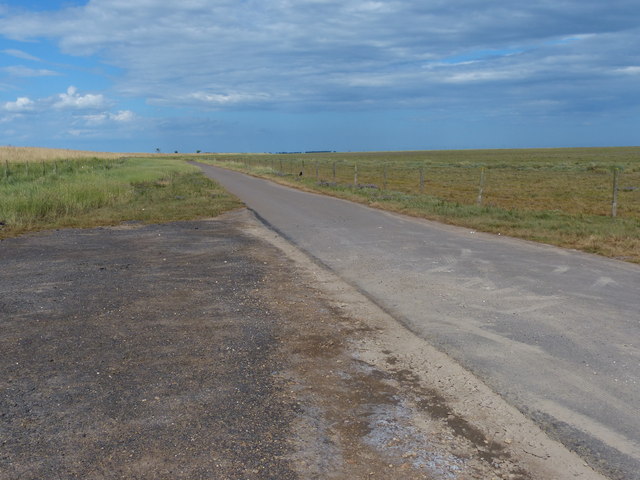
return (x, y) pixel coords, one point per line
(214, 349)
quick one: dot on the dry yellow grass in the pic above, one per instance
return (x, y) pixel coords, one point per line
(38, 154)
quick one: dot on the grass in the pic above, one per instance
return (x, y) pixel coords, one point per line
(35, 154)
(90, 192)
(555, 196)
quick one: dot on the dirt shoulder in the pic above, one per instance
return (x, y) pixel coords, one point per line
(214, 349)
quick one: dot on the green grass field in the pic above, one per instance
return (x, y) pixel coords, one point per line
(91, 192)
(557, 196)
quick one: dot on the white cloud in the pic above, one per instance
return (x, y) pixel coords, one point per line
(630, 70)
(122, 116)
(20, 54)
(22, 104)
(22, 71)
(217, 99)
(71, 99)
(97, 119)
(488, 75)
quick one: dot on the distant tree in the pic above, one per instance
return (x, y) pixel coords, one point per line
(157, 150)
(175, 151)
(198, 151)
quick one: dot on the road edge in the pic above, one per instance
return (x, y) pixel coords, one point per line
(465, 395)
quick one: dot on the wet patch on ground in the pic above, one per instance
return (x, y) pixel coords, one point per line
(383, 423)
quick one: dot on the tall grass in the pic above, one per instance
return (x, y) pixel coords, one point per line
(89, 192)
(10, 154)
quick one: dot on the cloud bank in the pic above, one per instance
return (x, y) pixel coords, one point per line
(478, 58)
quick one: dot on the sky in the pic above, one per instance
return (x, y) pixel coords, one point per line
(303, 75)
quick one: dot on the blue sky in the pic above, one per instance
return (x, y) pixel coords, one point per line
(346, 75)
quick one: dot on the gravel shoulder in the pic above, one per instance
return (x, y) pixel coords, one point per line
(215, 349)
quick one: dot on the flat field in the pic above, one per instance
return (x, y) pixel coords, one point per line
(50, 190)
(9, 155)
(558, 196)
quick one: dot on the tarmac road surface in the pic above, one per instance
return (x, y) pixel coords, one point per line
(214, 349)
(555, 332)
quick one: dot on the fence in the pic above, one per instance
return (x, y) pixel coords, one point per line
(573, 189)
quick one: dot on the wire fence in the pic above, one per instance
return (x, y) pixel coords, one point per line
(572, 189)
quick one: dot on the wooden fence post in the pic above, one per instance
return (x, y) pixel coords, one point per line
(317, 174)
(334, 172)
(480, 187)
(6, 168)
(384, 176)
(355, 174)
(614, 201)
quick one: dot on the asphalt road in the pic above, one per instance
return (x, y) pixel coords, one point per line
(213, 349)
(553, 331)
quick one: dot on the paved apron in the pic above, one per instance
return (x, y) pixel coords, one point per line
(555, 332)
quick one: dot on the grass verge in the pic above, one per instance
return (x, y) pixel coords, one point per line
(91, 192)
(611, 237)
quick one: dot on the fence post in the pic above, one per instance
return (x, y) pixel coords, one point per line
(480, 187)
(334, 172)
(421, 179)
(6, 168)
(317, 174)
(355, 174)
(384, 176)
(614, 201)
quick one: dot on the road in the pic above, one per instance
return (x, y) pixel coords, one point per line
(555, 332)
(214, 349)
